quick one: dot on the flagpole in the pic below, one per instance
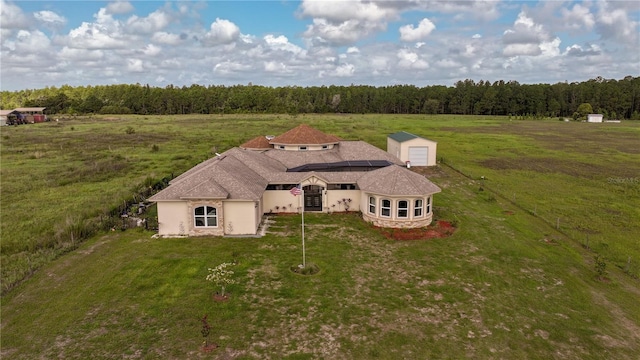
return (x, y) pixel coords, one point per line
(304, 261)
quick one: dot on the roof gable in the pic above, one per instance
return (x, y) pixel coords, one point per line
(304, 135)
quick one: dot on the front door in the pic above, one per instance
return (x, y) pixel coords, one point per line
(313, 198)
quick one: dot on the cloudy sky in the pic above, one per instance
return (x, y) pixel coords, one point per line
(315, 42)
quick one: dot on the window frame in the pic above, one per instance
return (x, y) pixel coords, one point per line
(417, 208)
(383, 208)
(205, 216)
(372, 204)
(405, 209)
(303, 148)
(428, 205)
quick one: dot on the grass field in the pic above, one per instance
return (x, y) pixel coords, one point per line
(507, 284)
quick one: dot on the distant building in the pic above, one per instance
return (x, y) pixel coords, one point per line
(594, 118)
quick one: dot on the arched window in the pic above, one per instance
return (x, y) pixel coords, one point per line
(403, 209)
(417, 208)
(205, 216)
(385, 208)
(372, 205)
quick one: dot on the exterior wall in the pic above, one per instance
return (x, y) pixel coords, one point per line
(239, 217)
(393, 148)
(432, 145)
(297, 147)
(393, 221)
(173, 218)
(282, 199)
(215, 231)
(594, 118)
(331, 197)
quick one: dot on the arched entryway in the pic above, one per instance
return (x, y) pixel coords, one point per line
(313, 197)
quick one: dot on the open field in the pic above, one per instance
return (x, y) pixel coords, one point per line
(502, 286)
(507, 284)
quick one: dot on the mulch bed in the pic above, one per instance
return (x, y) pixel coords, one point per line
(440, 229)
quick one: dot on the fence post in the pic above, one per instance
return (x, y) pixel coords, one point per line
(558, 224)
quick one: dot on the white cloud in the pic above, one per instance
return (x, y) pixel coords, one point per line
(344, 22)
(411, 60)
(222, 32)
(409, 34)
(578, 18)
(525, 37)
(50, 17)
(152, 50)
(163, 37)
(135, 65)
(105, 33)
(616, 24)
(342, 70)
(119, 7)
(281, 43)
(156, 21)
(12, 17)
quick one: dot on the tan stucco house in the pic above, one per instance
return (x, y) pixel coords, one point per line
(229, 193)
(412, 149)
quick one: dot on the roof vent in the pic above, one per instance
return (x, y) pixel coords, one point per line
(270, 137)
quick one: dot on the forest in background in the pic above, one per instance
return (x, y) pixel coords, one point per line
(615, 99)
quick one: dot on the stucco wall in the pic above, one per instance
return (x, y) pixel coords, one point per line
(309, 147)
(240, 217)
(400, 224)
(174, 218)
(393, 221)
(393, 148)
(281, 198)
(331, 198)
(215, 231)
(419, 142)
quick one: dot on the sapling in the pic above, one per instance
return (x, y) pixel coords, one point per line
(221, 276)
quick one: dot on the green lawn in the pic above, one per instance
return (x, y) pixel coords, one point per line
(494, 289)
(507, 284)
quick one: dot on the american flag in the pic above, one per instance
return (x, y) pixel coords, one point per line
(296, 190)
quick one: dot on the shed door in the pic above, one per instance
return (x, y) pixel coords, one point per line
(418, 155)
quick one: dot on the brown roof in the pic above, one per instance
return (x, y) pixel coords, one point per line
(259, 143)
(304, 135)
(395, 180)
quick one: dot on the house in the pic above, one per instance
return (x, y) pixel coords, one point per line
(411, 149)
(7, 117)
(229, 193)
(32, 114)
(594, 118)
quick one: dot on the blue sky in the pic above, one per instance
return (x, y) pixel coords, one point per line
(315, 42)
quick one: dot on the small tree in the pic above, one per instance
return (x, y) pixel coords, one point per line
(601, 266)
(221, 276)
(206, 329)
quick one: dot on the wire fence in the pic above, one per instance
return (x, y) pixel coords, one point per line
(590, 241)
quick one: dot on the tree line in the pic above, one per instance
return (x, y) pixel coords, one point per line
(615, 99)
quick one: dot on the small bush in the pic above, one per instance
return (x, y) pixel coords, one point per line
(155, 148)
(130, 130)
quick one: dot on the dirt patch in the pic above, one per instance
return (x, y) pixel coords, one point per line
(441, 229)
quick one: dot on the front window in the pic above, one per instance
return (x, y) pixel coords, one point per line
(302, 148)
(417, 208)
(385, 208)
(372, 205)
(403, 208)
(205, 216)
(429, 205)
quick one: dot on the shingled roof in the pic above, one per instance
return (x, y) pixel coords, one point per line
(257, 143)
(395, 180)
(304, 135)
(243, 173)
